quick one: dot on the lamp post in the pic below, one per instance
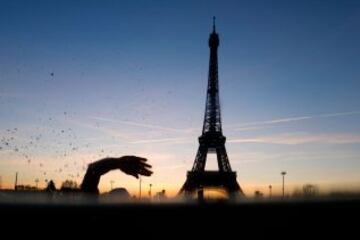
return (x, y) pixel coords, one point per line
(283, 173)
(270, 191)
(150, 185)
(16, 180)
(36, 182)
(139, 188)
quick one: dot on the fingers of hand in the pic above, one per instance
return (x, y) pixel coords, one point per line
(145, 172)
(145, 165)
(144, 169)
(135, 175)
(136, 165)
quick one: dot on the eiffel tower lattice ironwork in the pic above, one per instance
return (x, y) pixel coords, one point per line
(212, 139)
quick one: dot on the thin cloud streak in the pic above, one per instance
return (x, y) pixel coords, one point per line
(295, 139)
(143, 125)
(126, 138)
(237, 127)
(164, 140)
(110, 132)
(339, 114)
(172, 167)
(240, 127)
(250, 128)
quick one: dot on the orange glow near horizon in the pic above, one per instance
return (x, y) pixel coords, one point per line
(172, 190)
(165, 178)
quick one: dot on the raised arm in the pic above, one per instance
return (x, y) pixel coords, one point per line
(130, 165)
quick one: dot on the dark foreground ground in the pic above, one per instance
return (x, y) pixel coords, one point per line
(272, 219)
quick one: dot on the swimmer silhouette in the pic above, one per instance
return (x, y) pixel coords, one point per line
(130, 165)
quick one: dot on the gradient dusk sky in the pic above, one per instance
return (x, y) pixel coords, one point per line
(82, 80)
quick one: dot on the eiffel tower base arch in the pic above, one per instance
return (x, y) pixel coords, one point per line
(213, 179)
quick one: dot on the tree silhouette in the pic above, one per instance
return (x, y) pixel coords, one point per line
(50, 186)
(310, 190)
(69, 185)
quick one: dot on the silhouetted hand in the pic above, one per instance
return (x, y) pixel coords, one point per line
(134, 166)
(130, 165)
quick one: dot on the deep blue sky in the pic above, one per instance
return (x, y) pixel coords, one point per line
(146, 62)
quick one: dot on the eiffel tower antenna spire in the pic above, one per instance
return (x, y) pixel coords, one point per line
(212, 140)
(214, 29)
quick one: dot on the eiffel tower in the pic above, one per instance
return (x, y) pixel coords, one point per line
(212, 140)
